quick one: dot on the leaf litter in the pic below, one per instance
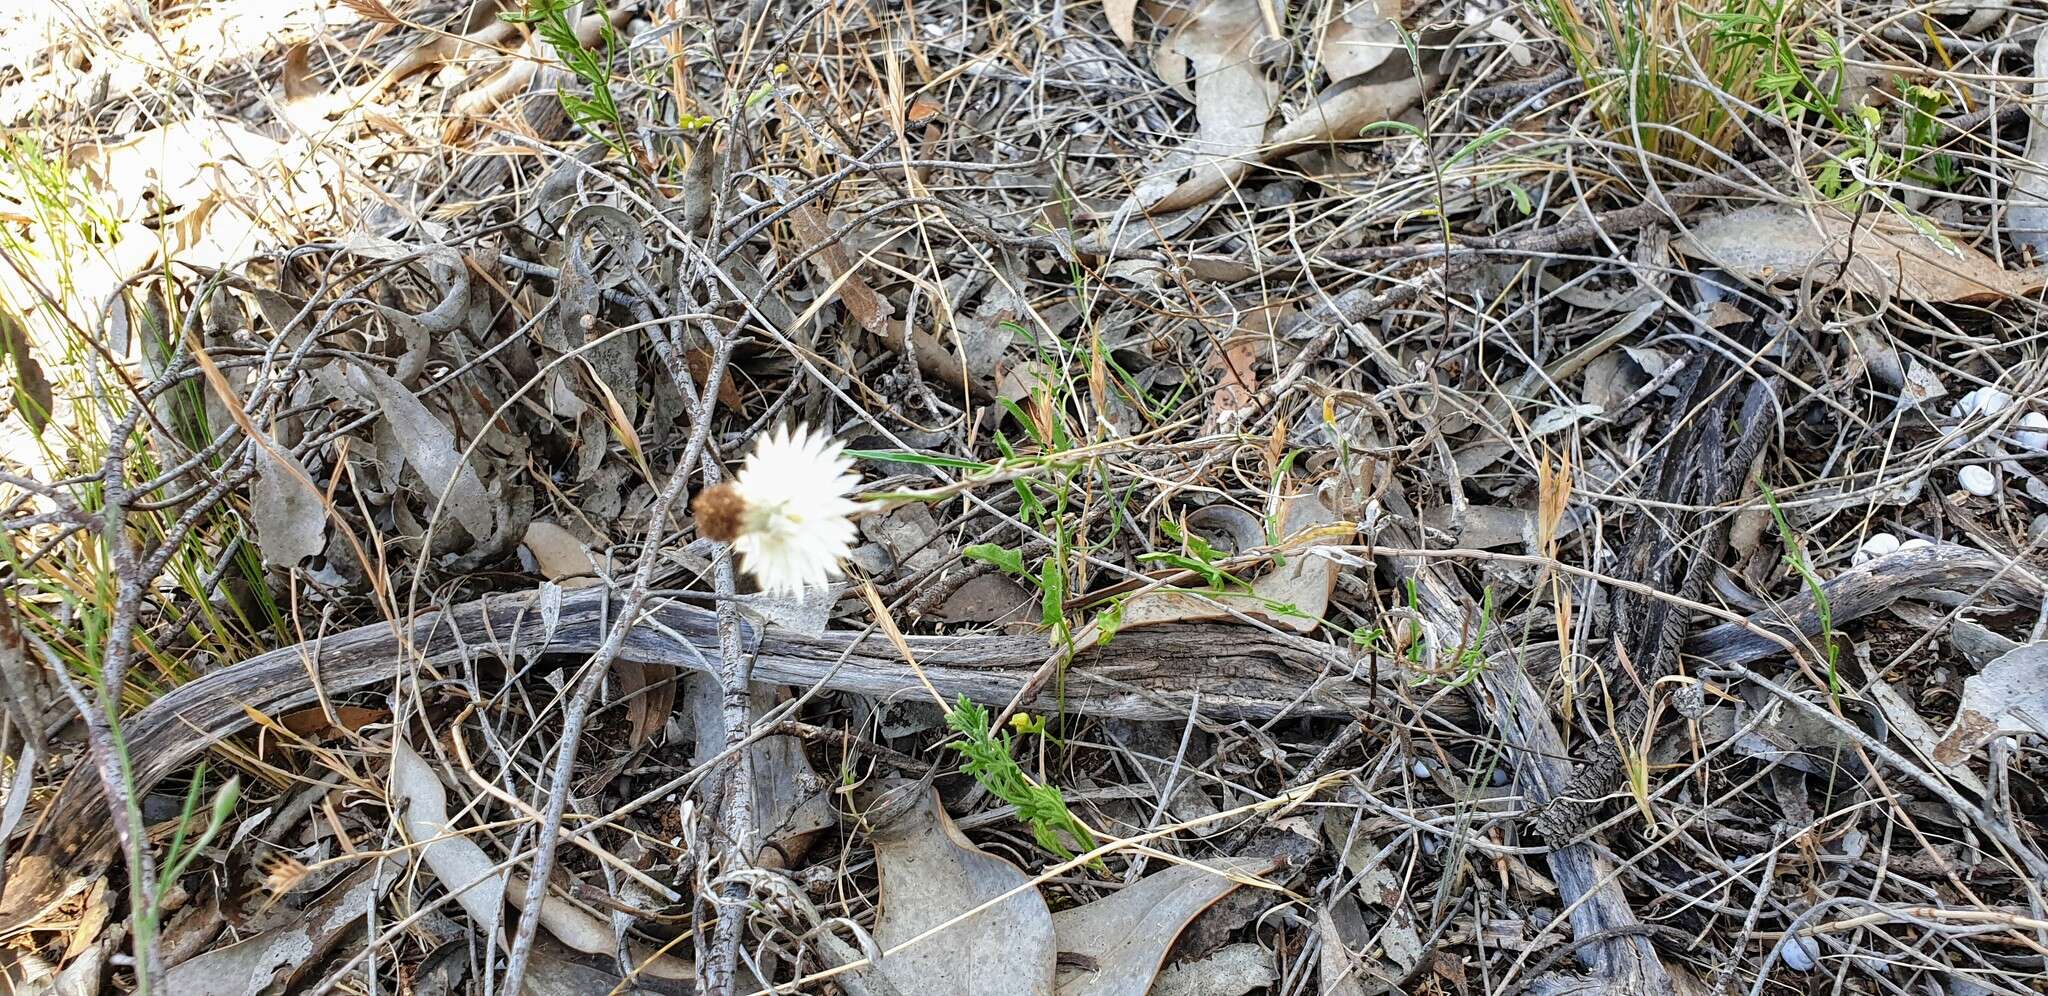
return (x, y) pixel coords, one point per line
(1421, 508)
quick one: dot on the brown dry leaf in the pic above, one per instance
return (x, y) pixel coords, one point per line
(297, 76)
(1882, 254)
(1304, 582)
(987, 598)
(1367, 33)
(649, 699)
(1120, 14)
(1128, 933)
(867, 307)
(313, 721)
(33, 395)
(557, 551)
(699, 362)
(2009, 696)
(1236, 383)
(930, 875)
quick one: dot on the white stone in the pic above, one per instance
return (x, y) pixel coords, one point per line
(1984, 401)
(1876, 546)
(1916, 543)
(2033, 431)
(1978, 480)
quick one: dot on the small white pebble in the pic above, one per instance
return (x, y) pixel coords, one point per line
(1799, 954)
(1421, 769)
(2033, 431)
(1876, 546)
(1978, 480)
(1992, 401)
(1916, 543)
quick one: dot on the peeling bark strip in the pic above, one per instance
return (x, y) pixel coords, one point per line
(1150, 674)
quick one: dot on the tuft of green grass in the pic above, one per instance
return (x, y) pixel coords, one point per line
(1672, 78)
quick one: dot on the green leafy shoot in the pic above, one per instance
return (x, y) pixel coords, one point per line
(180, 856)
(1007, 560)
(1196, 556)
(1795, 556)
(990, 762)
(599, 112)
(918, 459)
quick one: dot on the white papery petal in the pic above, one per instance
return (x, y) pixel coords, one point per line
(797, 524)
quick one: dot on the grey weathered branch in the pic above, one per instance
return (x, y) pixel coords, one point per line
(1144, 674)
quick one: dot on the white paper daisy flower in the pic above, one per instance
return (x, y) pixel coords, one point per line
(786, 513)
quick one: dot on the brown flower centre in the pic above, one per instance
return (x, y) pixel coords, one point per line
(719, 510)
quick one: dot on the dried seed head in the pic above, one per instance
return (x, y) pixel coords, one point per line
(282, 874)
(720, 510)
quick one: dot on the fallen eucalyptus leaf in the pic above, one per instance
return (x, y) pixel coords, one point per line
(252, 966)
(1771, 243)
(1341, 116)
(480, 887)
(1367, 33)
(463, 867)
(2009, 696)
(931, 875)
(790, 804)
(430, 448)
(1209, 57)
(1231, 970)
(1128, 933)
(291, 521)
(557, 551)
